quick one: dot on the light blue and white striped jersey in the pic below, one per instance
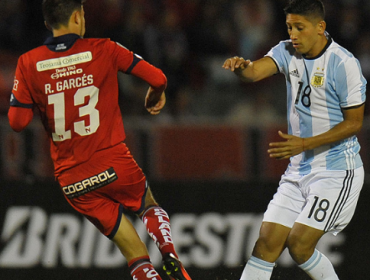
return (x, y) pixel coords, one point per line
(317, 90)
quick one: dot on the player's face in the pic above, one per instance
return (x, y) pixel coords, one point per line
(304, 34)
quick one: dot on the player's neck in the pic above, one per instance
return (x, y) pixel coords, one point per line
(318, 48)
(64, 31)
(72, 28)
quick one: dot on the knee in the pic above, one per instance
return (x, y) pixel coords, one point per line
(299, 249)
(268, 246)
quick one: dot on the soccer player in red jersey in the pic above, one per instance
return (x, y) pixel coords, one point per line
(73, 83)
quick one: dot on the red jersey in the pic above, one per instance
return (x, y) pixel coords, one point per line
(73, 82)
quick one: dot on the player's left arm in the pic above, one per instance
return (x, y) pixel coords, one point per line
(155, 98)
(135, 65)
(293, 145)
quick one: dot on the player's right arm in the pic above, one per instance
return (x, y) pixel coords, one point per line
(20, 113)
(249, 71)
(19, 117)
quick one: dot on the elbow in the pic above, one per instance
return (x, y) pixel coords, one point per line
(19, 118)
(16, 127)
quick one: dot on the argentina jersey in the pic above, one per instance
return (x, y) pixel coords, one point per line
(317, 91)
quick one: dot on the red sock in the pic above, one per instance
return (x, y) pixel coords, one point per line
(157, 224)
(142, 269)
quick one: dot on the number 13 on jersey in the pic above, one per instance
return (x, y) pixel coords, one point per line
(80, 127)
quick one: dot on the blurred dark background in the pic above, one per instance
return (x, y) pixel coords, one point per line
(189, 40)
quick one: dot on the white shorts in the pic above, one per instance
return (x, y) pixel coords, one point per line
(325, 200)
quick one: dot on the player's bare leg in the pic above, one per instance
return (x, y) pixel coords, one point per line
(149, 200)
(301, 243)
(128, 241)
(268, 248)
(271, 241)
(135, 251)
(158, 227)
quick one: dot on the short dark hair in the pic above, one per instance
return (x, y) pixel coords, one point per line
(309, 8)
(57, 12)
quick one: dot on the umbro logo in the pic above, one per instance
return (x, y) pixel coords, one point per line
(294, 73)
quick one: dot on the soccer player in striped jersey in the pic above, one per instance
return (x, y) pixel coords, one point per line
(73, 83)
(319, 191)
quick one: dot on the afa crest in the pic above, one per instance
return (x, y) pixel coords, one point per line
(318, 79)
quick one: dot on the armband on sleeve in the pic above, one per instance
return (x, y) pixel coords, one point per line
(152, 75)
(135, 61)
(15, 103)
(19, 114)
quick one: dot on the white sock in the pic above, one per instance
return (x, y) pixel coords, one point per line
(319, 267)
(257, 269)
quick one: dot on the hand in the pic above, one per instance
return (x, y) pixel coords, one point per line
(153, 104)
(236, 62)
(283, 150)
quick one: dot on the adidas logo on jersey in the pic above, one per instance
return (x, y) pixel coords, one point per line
(294, 73)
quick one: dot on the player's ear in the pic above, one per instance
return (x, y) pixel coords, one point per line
(48, 26)
(77, 17)
(321, 27)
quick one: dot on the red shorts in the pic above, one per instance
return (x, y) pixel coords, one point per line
(101, 187)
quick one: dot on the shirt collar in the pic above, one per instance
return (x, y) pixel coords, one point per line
(328, 43)
(61, 43)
